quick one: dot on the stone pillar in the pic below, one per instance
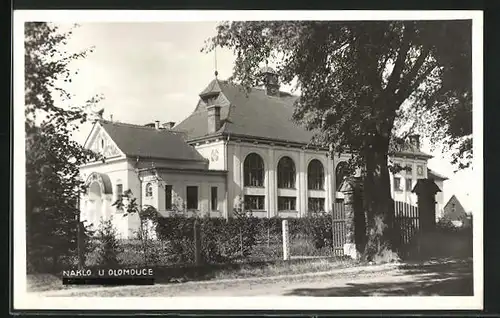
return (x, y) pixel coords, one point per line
(286, 240)
(426, 191)
(354, 216)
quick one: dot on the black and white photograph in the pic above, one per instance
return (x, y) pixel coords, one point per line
(316, 160)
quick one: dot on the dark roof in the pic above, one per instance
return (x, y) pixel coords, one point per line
(147, 142)
(248, 113)
(213, 87)
(434, 175)
(425, 185)
(255, 114)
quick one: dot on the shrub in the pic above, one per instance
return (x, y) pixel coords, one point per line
(221, 240)
(107, 245)
(236, 238)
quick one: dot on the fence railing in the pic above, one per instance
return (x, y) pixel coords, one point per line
(406, 220)
(339, 230)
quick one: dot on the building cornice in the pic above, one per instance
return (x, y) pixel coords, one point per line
(254, 139)
(182, 170)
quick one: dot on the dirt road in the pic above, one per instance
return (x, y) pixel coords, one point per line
(452, 278)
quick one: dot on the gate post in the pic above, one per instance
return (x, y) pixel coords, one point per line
(353, 202)
(426, 191)
(286, 241)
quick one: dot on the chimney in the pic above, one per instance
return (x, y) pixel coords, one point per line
(213, 118)
(157, 124)
(210, 97)
(169, 125)
(415, 141)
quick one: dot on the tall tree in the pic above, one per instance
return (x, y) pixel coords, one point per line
(52, 157)
(357, 80)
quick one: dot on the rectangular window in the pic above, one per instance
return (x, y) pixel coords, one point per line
(254, 202)
(316, 204)
(213, 196)
(168, 197)
(119, 193)
(397, 184)
(286, 203)
(408, 184)
(192, 198)
(119, 190)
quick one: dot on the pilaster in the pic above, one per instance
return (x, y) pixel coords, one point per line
(271, 191)
(302, 193)
(328, 184)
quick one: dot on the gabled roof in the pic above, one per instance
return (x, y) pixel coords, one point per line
(248, 113)
(147, 142)
(454, 202)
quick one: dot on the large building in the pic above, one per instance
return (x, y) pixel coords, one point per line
(237, 146)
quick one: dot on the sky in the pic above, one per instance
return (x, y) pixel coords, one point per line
(155, 71)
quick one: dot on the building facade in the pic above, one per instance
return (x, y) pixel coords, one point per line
(238, 146)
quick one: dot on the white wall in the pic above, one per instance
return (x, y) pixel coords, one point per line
(406, 195)
(236, 154)
(118, 171)
(439, 199)
(179, 182)
(215, 153)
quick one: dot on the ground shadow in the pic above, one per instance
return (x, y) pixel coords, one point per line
(191, 272)
(438, 278)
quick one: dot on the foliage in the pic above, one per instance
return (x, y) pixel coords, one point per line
(355, 76)
(107, 245)
(148, 218)
(52, 157)
(359, 81)
(236, 238)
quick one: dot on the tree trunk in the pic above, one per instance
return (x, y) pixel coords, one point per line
(378, 203)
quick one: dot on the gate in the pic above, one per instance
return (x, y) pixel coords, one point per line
(339, 229)
(406, 219)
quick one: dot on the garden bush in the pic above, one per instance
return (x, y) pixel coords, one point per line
(106, 245)
(237, 238)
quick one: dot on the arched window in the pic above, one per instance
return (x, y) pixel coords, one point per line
(315, 175)
(340, 174)
(286, 173)
(253, 171)
(149, 190)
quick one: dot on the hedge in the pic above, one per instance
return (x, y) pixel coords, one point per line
(234, 239)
